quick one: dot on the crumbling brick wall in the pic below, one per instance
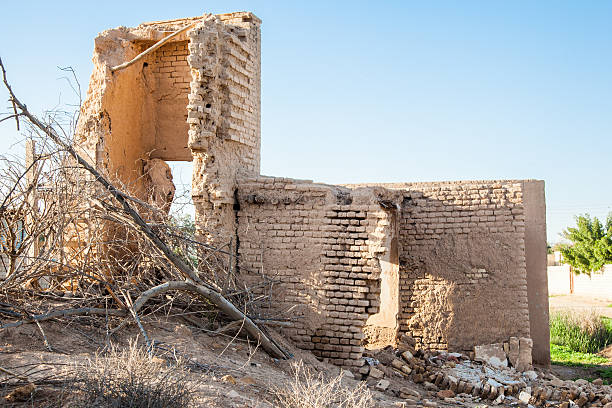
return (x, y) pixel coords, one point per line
(459, 249)
(355, 265)
(323, 244)
(223, 117)
(195, 98)
(462, 263)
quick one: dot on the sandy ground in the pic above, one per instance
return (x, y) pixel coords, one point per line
(581, 303)
(212, 357)
(209, 358)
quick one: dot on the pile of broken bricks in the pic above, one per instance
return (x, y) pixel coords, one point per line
(496, 374)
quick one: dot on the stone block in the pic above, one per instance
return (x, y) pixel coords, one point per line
(492, 354)
(376, 373)
(382, 385)
(513, 351)
(407, 356)
(397, 364)
(524, 359)
(409, 392)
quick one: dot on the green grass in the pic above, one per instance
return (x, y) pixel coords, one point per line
(606, 374)
(564, 355)
(576, 338)
(580, 332)
(610, 305)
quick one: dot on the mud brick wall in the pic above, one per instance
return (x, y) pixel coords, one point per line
(223, 117)
(462, 263)
(166, 76)
(447, 262)
(324, 246)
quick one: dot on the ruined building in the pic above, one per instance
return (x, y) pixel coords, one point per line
(454, 264)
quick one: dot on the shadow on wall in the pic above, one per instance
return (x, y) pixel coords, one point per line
(464, 290)
(462, 266)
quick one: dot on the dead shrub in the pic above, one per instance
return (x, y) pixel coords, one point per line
(132, 378)
(314, 390)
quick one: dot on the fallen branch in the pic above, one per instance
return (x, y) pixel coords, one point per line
(66, 313)
(9, 372)
(134, 312)
(44, 336)
(223, 304)
(154, 46)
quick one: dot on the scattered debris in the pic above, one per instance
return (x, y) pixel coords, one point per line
(493, 377)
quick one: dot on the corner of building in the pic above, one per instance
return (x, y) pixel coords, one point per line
(537, 280)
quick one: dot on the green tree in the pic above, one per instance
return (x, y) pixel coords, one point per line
(591, 246)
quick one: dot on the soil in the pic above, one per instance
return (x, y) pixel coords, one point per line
(581, 303)
(573, 373)
(209, 357)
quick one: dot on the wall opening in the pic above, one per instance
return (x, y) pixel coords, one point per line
(382, 327)
(182, 208)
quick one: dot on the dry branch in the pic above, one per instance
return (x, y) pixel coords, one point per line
(153, 47)
(83, 311)
(9, 372)
(218, 300)
(193, 282)
(213, 296)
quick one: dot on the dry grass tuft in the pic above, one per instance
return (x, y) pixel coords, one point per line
(132, 378)
(311, 390)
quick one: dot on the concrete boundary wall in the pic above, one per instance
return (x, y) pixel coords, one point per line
(534, 202)
(599, 284)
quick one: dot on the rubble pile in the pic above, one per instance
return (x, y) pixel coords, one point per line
(497, 374)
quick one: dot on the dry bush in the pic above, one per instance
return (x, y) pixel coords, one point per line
(132, 378)
(80, 246)
(314, 390)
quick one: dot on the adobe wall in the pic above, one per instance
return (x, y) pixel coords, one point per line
(444, 262)
(465, 267)
(330, 249)
(454, 264)
(462, 264)
(223, 117)
(122, 121)
(168, 98)
(195, 98)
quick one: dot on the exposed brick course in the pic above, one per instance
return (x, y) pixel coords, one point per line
(356, 265)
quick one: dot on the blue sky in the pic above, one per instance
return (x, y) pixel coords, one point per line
(386, 91)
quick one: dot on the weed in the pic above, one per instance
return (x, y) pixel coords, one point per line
(311, 390)
(580, 332)
(606, 374)
(132, 378)
(564, 355)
